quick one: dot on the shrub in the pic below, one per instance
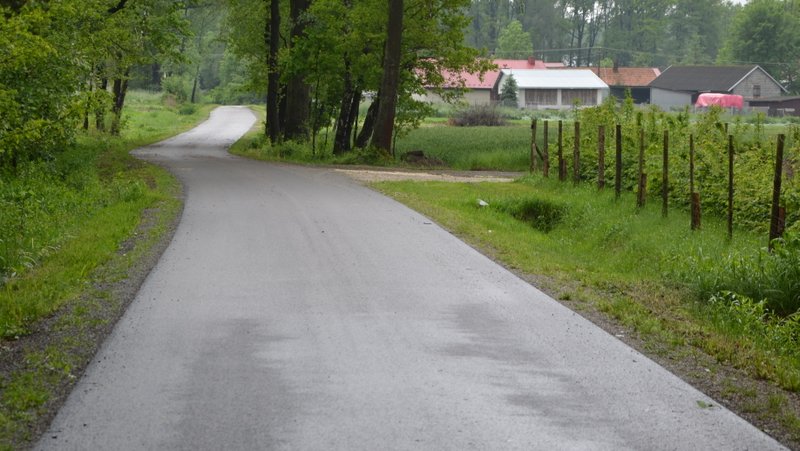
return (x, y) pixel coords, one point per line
(542, 215)
(475, 115)
(771, 276)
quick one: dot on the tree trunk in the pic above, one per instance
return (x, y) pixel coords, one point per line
(194, 85)
(369, 124)
(298, 92)
(384, 122)
(100, 113)
(155, 75)
(344, 124)
(119, 89)
(272, 33)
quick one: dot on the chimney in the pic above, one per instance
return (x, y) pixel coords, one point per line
(616, 65)
(531, 60)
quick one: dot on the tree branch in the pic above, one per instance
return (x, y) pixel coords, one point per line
(117, 8)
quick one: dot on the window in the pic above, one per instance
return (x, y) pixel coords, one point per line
(541, 96)
(585, 96)
(756, 91)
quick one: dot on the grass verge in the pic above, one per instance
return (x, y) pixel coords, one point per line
(617, 265)
(55, 311)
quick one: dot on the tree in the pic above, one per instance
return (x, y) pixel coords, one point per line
(767, 32)
(513, 42)
(387, 95)
(508, 95)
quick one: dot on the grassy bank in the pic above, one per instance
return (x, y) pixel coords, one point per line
(72, 228)
(605, 256)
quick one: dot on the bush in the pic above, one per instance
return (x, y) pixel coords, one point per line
(770, 276)
(542, 215)
(187, 109)
(475, 115)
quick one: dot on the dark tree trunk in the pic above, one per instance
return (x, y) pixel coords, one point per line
(369, 124)
(344, 124)
(273, 78)
(384, 122)
(119, 89)
(155, 75)
(194, 85)
(100, 113)
(298, 92)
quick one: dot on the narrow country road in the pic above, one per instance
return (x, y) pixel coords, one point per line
(298, 310)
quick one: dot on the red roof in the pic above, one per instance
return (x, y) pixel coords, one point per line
(471, 81)
(626, 76)
(521, 64)
(474, 81)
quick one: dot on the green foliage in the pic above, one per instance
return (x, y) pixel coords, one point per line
(38, 85)
(513, 42)
(767, 32)
(773, 277)
(52, 210)
(541, 214)
(477, 115)
(508, 94)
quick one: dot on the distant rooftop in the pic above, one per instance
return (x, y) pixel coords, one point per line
(555, 79)
(626, 76)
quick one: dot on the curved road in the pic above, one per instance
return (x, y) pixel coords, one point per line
(295, 309)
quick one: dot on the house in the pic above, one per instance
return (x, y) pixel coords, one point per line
(778, 106)
(679, 86)
(530, 63)
(477, 90)
(481, 90)
(635, 80)
(556, 89)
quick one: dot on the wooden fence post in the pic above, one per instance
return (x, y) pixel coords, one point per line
(601, 157)
(533, 145)
(641, 194)
(730, 186)
(546, 151)
(694, 198)
(665, 178)
(774, 226)
(618, 164)
(576, 170)
(562, 166)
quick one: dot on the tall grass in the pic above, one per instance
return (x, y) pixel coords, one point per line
(504, 148)
(63, 217)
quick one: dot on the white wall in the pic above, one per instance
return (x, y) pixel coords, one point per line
(665, 99)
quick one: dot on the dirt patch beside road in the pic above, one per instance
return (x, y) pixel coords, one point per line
(392, 175)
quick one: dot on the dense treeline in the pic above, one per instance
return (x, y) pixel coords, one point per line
(68, 62)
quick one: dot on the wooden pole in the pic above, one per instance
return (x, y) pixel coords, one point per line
(562, 167)
(601, 157)
(576, 171)
(774, 229)
(618, 164)
(694, 198)
(533, 145)
(546, 151)
(730, 186)
(665, 177)
(641, 194)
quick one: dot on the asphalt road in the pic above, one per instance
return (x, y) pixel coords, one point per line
(295, 309)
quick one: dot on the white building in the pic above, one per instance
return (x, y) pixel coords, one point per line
(556, 89)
